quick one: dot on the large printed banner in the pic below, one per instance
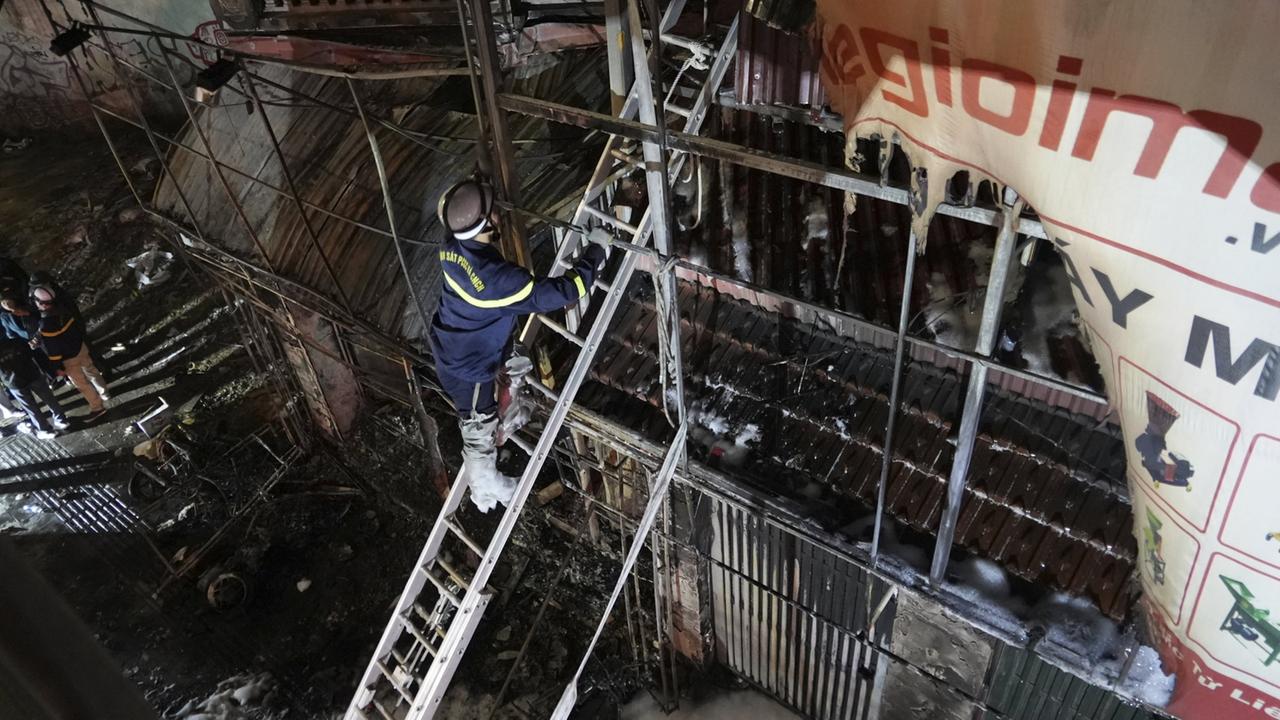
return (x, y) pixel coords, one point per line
(1147, 136)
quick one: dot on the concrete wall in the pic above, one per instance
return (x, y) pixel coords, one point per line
(38, 91)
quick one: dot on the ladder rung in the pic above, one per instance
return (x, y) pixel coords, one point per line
(422, 612)
(561, 330)
(627, 158)
(463, 536)
(417, 634)
(520, 443)
(611, 220)
(391, 678)
(406, 661)
(679, 110)
(453, 573)
(383, 711)
(602, 285)
(446, 592)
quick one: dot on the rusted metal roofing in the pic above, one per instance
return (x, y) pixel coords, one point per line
(802, 240)
(329, 157)
(775, 67)
(801, 412)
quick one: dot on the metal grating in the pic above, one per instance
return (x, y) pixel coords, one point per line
(1024, 687)
(787, 614)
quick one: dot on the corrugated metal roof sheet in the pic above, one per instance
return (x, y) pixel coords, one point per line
(1046, 495)
(775, 67)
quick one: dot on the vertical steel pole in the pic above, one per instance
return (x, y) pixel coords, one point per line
(886, 457)
(484, 155)
(656, 179)
(617, 43)
(513, 238)
(1006, 241)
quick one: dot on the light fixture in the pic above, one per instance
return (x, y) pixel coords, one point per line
(68, 40)
(212, 78)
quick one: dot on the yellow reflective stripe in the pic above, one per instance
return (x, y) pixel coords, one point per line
(582, 289)
(59, 332)
(519, 295)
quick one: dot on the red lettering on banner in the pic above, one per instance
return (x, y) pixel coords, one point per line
(972, 73)
(1060, 100)
(840, 60)
(941, 58)
(872, 39)
(1167, 120)
(1266, 192)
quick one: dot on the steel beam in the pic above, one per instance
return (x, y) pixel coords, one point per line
(513, 237)
(811, 172)
(1001, 263)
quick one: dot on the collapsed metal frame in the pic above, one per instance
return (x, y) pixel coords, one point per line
(266, 299)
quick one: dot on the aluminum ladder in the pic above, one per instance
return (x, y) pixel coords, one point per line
(430, 629)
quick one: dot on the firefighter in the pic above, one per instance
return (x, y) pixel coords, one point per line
(62, 338)
(472, 331)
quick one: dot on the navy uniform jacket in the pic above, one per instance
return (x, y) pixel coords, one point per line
(481, 298)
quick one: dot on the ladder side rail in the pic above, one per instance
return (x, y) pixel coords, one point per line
(413, 587)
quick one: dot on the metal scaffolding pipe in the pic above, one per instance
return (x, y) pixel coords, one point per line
(993, 304)
(886, 453)
(293, 191)
(513, 238)
(236, 171)
(389, 203)
(811, 172)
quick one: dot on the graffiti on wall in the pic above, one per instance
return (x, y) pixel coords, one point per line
(36, 88)
(39, 90)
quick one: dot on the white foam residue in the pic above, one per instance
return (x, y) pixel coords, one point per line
(489, 487)
(1147, 681)
(741, 250)
(842, 427)
(232, 697)
(750, 433)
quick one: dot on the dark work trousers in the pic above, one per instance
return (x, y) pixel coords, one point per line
(29, 400)
(469, 397)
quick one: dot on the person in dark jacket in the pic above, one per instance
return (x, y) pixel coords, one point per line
(472, 331)
(13, 278)
(62, 338)
(24, 380)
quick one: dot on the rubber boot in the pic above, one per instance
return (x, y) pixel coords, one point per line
(480, 463)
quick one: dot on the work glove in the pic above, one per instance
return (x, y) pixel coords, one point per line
(600, 236)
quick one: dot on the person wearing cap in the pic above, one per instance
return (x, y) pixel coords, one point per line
(25, 382)
(62, 338)
(472, 332)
